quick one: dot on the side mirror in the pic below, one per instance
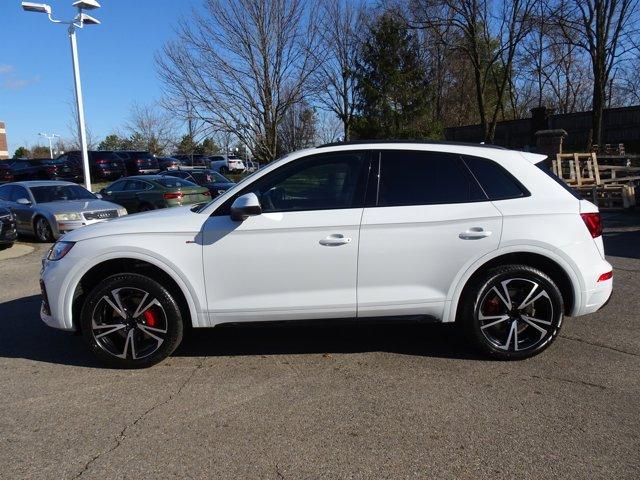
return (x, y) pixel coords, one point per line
(23, 201)
(98, 195)
(245, 206)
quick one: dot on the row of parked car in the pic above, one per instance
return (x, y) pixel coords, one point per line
(111, 165)
(49, 208)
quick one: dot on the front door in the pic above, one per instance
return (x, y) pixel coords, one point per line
(298, 259)
(430, 219)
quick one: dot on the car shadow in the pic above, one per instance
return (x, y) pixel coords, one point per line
(24, 335)
(621, 234)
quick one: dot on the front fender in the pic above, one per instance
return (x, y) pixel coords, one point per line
(198, 319)
(549, 251)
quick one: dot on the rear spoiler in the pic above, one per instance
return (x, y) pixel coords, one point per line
(533, 157)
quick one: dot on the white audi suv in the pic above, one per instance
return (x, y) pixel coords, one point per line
(485, 237)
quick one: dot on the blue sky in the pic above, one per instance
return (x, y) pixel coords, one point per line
(116, 65)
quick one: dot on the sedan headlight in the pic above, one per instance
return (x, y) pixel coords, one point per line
(67, 217)
(59, 250)
(122, 212)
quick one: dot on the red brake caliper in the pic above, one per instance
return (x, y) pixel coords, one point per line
(150, 318)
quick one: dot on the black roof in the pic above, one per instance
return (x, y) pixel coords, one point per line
(425, 142)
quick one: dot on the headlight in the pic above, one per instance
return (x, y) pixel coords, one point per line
(67, 217)
(122, 211)
(59, 250)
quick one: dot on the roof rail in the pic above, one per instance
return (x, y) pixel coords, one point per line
(425, 142)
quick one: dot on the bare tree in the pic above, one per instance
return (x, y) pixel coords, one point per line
(488, 39)
(151, 128)
(242, 64)
(607, 31)
(335, 77)
(298, 128)
(73, 142)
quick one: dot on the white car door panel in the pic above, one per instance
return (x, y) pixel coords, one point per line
(409, 255)
(278, 266)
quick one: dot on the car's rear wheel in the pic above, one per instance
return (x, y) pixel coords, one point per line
(513, 312)
(131, 321)
(42, 230)
(146, 207)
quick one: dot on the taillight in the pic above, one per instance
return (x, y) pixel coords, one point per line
(173, 196)
(50, 169)
(593, 221)
(606, 276)
(101, 161)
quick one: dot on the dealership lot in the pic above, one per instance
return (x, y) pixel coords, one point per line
(334, 401)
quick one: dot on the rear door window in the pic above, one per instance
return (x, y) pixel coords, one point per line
(409, 177)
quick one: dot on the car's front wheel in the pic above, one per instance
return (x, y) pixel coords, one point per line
(513, 312)
(131, 321)
(42, 229)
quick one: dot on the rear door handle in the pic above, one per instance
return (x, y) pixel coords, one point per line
(475, 233)
(335, 240)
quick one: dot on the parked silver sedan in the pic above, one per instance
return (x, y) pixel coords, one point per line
(48, 209)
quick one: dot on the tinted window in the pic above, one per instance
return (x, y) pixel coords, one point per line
(318, 183)
(54, 193)
(175, 182)
(495, 180)
(5, 192)
(18, 192)
(425, 178)
(545, 166)
(135, 185)
(116, 186)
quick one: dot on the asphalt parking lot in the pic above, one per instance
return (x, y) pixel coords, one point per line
(355, 401)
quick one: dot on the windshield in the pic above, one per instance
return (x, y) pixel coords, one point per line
(174, 182)
(55, 193)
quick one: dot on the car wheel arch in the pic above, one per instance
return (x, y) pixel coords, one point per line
(106, 266)
(559, 269)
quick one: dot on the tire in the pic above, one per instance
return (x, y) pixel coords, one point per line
(42, 230)
(131, 321)
(512, 312)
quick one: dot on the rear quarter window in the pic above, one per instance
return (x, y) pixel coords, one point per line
(497, 182)
(545, 166)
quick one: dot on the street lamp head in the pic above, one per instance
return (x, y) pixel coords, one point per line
(86, 4)
(87, 19)
(36, 7)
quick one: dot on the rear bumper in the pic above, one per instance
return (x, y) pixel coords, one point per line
(598, 297)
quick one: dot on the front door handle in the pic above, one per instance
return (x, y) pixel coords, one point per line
(334, 240)
(475, 233)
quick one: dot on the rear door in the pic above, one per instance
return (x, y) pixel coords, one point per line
(429, 219)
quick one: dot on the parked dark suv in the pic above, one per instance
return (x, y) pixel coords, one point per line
(54, 169)
(139, 163)
(103, 165)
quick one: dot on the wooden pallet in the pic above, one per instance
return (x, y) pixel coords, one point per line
(577, 169)
(610, 197)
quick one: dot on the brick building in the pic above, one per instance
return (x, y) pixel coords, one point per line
(4, 154)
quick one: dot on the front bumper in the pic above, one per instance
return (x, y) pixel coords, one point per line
(52, 311)
(60, 228)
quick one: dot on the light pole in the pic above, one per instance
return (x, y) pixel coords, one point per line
(50, 137)
(79, 21)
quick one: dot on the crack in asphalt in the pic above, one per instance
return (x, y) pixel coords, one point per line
(123, 433)
(280, 475)
(594, 344)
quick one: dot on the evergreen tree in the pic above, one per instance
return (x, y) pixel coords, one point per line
(392, 87)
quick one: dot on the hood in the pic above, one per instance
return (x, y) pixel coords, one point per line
(69, 206)
(167, 220)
